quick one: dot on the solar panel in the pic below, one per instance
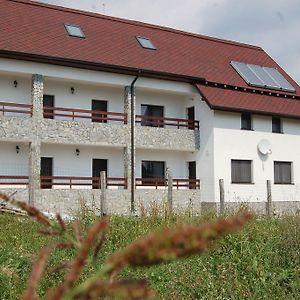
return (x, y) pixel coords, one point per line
(284, 84)
(262, 76)
(74, 30)
(145, 43)
(246, 73)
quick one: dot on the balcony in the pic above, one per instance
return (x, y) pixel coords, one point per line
(157, 183)
(7, 182)
(13, 109)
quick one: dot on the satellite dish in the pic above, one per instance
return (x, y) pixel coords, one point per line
(264, 147)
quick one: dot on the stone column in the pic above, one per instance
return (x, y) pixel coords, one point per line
(34, 169)
(37, 87)
(37, 91)
(129, 151)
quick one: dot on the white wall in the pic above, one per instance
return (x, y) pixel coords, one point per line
(230, 142)
(67, 163)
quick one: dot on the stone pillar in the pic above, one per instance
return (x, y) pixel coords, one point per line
(37, 91)
(34, 169)
(129, 151)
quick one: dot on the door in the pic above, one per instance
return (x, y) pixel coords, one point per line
(99, 105)
(191, 117)
(98, 166)
(46, 170)
(192, 174)
(48, 101)
(152, 111)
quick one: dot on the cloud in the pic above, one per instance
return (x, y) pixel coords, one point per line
(271, 24)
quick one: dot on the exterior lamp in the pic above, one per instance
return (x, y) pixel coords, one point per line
(15, 83)
(72, 90)
(17, 149)
(77, 152)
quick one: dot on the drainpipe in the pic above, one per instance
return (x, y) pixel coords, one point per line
(132, 140)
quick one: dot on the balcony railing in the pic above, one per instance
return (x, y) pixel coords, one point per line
(162, 182)
(13, 180)
(83, 182)
(15, 108)
(94, 115)
(162, 121)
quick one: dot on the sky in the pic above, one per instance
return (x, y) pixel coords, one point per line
(273, 25)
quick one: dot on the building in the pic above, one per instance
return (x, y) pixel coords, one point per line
(83, 93)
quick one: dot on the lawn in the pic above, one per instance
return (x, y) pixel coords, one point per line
(260, 262)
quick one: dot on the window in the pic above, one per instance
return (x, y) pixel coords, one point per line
(153, 169)
(48, 101)
(152, 115)
(74, 31)
(145, 43)
(241, 171)
(101, 106)
(276, 125)
(282, 172)
(246, 121)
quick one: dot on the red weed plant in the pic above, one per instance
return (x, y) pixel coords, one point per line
(159, 247)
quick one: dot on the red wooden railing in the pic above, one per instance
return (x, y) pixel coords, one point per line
(177, 183)
(49, 181)
(6, 107)
(14, 180)
(74, 113)
(162, 121)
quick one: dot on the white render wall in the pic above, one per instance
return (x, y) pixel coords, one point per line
(230, 142)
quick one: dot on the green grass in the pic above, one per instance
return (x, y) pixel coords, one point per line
(261, 262)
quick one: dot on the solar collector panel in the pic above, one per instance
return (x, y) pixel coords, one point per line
(267, 80)
(284, 84)
(246, 73)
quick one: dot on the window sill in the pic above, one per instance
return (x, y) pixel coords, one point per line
(241, 182)
(283, 183)
(278, 132)
(246, 129)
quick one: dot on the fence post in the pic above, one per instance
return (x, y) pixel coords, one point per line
(170, 191)
(222, 197)
(103, 187)
(269, 209)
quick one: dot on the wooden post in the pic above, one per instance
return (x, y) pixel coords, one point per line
(269, 209)
(170, 191)
(222, 197)
(103, 193)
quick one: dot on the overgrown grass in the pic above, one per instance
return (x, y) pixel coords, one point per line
(261, 262)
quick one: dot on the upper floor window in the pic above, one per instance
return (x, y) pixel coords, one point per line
(152, 115)
(48, 101)
(101, 106)
(282, 172)
(74, 31)
(241, 171)
(276, 125)
(246, 121)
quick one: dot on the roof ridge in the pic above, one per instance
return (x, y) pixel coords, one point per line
(136, 23)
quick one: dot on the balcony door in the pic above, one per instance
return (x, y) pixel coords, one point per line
(192, 173)
(46, 170)
(99, 165)
(191, 117)
(48, 101)
(101, 106)
(152, 111)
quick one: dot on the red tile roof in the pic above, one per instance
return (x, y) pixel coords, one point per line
(36, 29)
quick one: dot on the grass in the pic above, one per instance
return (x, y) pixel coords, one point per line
(261, 262)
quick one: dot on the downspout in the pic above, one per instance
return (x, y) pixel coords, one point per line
(132, 141)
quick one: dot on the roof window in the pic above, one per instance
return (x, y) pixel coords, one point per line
(145, 43)
(74, 31)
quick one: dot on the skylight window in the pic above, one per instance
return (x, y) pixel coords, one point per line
(146, 43)
(74, 30)
(262, 76)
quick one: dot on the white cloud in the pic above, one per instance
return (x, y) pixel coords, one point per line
(271, 24)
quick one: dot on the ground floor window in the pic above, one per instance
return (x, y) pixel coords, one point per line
(282, 172)
(241, 171)
(153, 169)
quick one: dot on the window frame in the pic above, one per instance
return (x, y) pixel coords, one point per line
(240, 181)
(248, 115)
(291, 181)
(280, 125)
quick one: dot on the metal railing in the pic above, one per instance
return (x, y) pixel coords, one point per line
(94, 115)
(70, 182)
(162, 121)
(163, 182)
(16, 108)
(14, 180)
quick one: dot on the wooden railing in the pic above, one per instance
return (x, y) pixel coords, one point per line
(70, 182)
(94, 115)
(6, 107)
(14, 180)
(162, 182)
(162, 121)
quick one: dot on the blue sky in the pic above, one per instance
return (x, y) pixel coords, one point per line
(271, 24)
